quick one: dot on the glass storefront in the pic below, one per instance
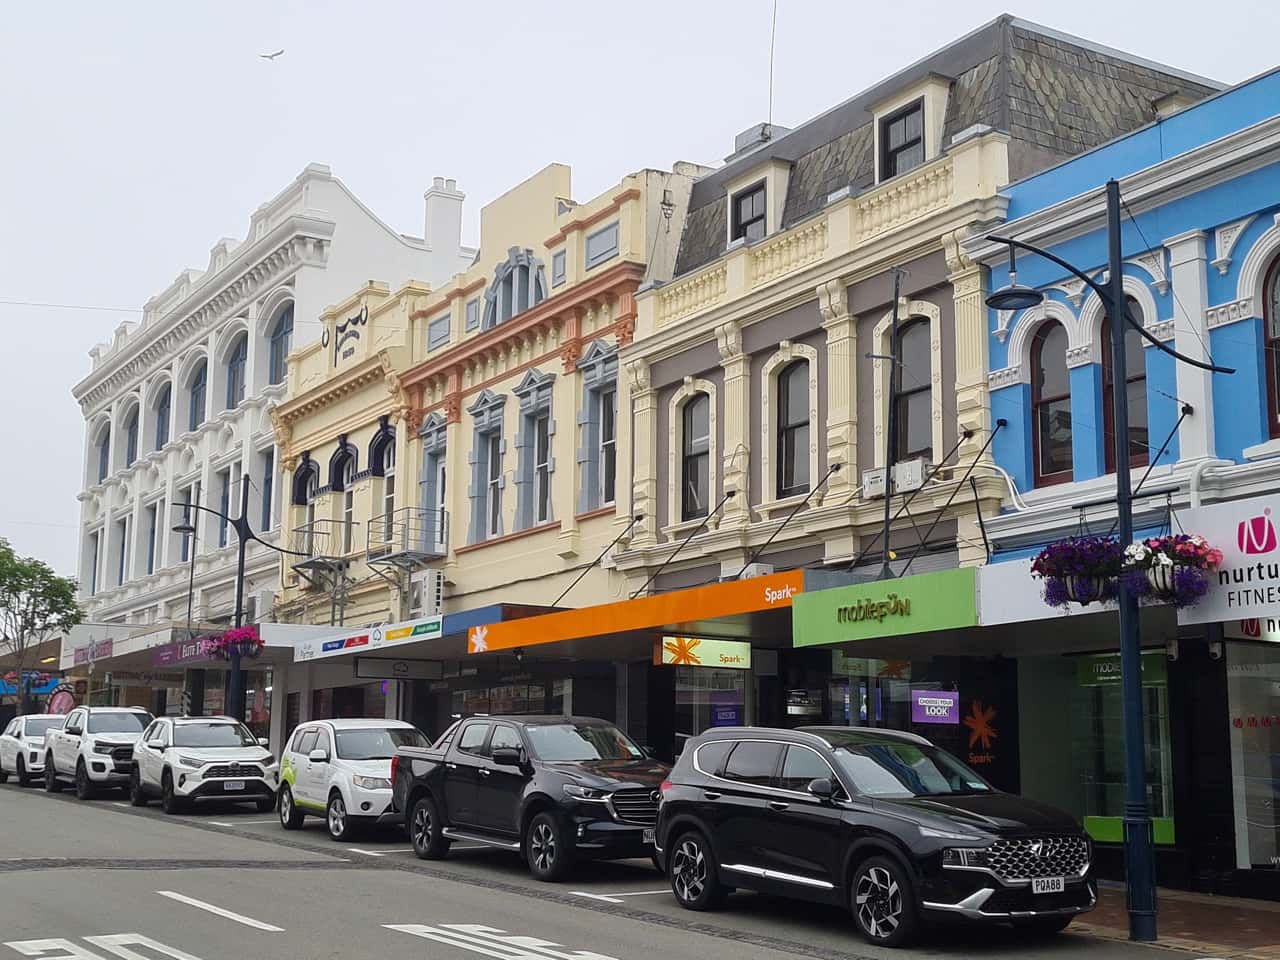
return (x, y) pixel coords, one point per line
(706, 697)
(1253, 697)
(523, 697)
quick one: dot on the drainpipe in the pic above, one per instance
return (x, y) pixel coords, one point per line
(1197, 475)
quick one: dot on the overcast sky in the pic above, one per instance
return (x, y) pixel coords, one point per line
(134, 135)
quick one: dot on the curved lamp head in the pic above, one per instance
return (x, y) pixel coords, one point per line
(1014, 296)
(186, 528)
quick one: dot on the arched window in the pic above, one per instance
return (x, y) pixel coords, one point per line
(1135, 379)
(914, 401)
(1271, 309)
(281, 338)
(695, 462)
(1051, 405)
(235, 371)
(793, 429)
(518, 284)
(104, 454)
(131, 438)
(198, 390)
(164, 405)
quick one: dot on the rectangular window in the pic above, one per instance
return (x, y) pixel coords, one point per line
(473, 315)
(93, 563)
(902, 141)
(348, 518)
(153, 514)
(224, 505)
(558, 260)
(696, 462)
(268, 476)
(608, 445)
(438, 332)
(542, 468)
(749, 214)
(493, 486)
(602, 245)
(122, 568)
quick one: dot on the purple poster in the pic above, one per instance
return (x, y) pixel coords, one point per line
(726, 714)
(935, 706)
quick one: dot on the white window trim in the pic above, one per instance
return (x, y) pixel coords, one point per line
(787, 353)
(908, 310)
(675, 410)
(598, 398)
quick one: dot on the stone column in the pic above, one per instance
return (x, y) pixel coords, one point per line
(842, 388)
(644, 452)
(735, 426)
(1187, 269)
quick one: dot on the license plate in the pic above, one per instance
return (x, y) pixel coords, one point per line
(647, 837)
(230, 785)
(1048, 885)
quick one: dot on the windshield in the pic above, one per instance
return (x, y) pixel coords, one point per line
(37, 728)
(907, 770)
(377, 743)
(212, 735)
(118, 722)
(567, 742)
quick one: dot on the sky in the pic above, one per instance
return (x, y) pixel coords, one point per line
(134, 135)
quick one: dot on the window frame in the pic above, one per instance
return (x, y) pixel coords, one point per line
(889, 155)
(164, 415)
(348, 504)
(131, 427)
(1271, 347)
(607, 398)
(198, 399)
(559, 267)
(434, 326)
(388, 490)
(903, 396)
(237, 362)
(224, 505)
(281, 342)
(471, 315)
(493, 484)
(771, 780)
(542, 467)
(600, 256)
(693, 450)
(104, 454)
(787, 426)
(1037, 346)
(739, 228)
(1108, 392)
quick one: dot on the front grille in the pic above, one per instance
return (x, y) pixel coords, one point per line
(122, 754)
(233, 770)
(1014, 860)
(636, 805)
(1016, 900)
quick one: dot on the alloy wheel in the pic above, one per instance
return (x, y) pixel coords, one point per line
(879, 903)
(337, 817)
(421, 827)
(689, 869)
(286, 805)
(542, 847)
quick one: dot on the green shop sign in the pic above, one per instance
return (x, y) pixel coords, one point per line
(886, 608)
(1103, 670)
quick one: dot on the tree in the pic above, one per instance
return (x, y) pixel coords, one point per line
(34, 603)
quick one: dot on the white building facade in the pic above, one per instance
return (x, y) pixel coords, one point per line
(177, 407)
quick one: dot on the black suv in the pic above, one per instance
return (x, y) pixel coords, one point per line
(880, 821)
(552, 788)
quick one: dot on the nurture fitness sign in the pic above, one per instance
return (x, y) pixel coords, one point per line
(1247, 584)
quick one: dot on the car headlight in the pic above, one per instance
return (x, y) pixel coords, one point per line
(372, 783)
(959, 857)
(102, 748)
(950, 835)
(579, 792)
(191, 761)
(268, 761)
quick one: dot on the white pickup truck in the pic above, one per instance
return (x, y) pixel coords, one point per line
(93, 749)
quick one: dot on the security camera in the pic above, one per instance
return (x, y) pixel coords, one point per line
(1171, 649)
(1215, 650)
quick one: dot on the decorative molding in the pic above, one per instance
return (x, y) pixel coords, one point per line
(1162, 330)
(908, 309)
(1153, 262)
(729, 340)
(1080, 356)
(786, 353)
(581, 223)
(1002, 324)
(641, 376)
(1089, 324)
(1006, 377)
(1254, 267)
(689, 388)
(833, 301)
(1232, 312)
(1023, 333)
(1225, 239)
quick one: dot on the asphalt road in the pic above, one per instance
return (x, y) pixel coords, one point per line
(102, 879)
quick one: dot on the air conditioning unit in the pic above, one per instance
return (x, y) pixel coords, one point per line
(756, 570)
(426, 593)
(873, 483)
(910, 475)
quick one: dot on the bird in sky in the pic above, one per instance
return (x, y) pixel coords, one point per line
(272, 56)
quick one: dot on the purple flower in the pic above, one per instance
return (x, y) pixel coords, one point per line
(1189, 586)
(1055, 592)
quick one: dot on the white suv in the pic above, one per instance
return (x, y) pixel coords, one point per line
(22, 746)
(341, 770)
(93, 749)
(184, 759)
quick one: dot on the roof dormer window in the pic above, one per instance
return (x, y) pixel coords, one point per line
(750, 213)
(902, 140)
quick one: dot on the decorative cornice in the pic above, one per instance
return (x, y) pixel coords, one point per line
(1230, 312)
(1225, 239)
(368, 371)
(447, 298)
(591, 219)
(1005, 378)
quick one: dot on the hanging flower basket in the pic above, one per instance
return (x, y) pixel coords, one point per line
(244, 641)
(1171, 569)
(1081, 570)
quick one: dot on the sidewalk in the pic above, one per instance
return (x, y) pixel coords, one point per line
(1220, 927)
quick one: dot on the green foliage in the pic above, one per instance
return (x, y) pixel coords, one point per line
(34, 603)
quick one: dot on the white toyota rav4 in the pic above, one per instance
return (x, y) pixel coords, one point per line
(184, 759)
(341, 770)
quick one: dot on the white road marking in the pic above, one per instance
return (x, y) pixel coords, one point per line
(248, 823)
(615, 897)
(367, 853)
(219, 823)
(491, 942)
(119, 944)
(117, 803)
(219, 911)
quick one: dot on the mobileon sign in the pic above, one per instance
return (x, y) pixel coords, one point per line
(1247, 584)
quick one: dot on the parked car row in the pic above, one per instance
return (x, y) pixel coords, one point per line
(882, 823)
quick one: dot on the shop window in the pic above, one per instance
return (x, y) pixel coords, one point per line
(197, 393)
(1051, 405)
(793, 430)
(749, 214)
(1135, 385)
(902, 141)
(695, 469)
(163, 407)
(754, 762)
(1271, 310)
(535, 463)
(598, 453)
(914, 401)
(1253, 679)
(281, 339)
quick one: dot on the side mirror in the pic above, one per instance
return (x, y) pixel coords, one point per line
(74, 731)
(822, 788)
(318, 756)
(155, 744)
(507, 756)
(263, 742)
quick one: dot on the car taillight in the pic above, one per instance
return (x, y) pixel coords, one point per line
(395, 767)
(665, 786)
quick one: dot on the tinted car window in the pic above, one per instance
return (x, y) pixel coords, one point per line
(472, 739)
(376, 743)
(711, 756)
(118, 722)
(753, 762)
(800, 767)
(307, 742)
(504, 736)
(581, 742)
(213, 735)
(907, 770)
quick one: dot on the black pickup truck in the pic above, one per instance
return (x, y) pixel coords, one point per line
(554, 789)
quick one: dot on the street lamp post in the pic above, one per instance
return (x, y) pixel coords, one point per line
(1138, 852)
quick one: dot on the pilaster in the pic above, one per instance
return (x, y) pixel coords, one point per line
(1187, 269)
(842, 386)
(644, 484)
(973, 400)
(735, 449)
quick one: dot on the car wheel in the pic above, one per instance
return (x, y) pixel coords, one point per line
(547, 849)
(290, 816)
(336, 819)
(695, 875)
(137, 796)
(883, 906)
(426, 831)
(84, 787)
(24, 778)
(51, 782)
(265, 804)
(1044, 926)
(170, 802)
